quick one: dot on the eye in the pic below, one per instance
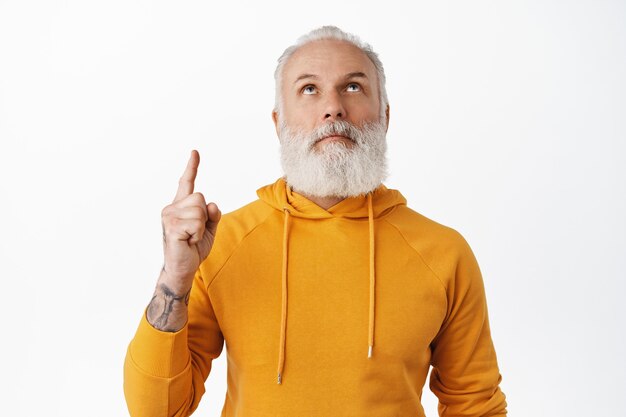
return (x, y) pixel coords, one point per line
(353, 87)
(308, 89)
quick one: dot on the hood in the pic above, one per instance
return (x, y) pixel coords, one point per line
(370, 206)
(281, 197)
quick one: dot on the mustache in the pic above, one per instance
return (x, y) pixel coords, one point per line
(357, 134)
(336, 128)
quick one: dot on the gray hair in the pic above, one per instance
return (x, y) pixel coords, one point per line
(332, 32)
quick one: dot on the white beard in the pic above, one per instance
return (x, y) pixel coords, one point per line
(334, 170)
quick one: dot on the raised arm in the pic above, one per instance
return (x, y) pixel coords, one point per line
(167, 362)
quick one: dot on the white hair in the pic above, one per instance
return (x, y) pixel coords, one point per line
(335, 169)
(334, 33)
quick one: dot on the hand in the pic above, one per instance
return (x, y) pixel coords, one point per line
(189, 226)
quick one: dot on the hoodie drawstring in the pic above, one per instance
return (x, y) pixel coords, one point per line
(372, 289)
(370, 218)
(283, 312)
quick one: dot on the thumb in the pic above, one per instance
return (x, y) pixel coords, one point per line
(214, 217)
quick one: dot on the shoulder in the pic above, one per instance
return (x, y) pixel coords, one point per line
(240, 222)
(232, 230)
(416, 227)
(440, 246)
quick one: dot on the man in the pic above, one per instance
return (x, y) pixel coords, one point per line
(333, 297)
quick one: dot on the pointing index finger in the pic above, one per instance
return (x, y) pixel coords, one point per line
(186, 183)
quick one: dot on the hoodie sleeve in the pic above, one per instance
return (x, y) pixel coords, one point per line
(465, 375)
(164, 372)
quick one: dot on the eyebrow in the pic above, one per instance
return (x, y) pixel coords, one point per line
(356, 74)
(305, 76)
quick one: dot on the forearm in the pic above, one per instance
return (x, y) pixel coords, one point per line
(167, 310)
(164, 371)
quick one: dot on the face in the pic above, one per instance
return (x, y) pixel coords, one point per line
(326, 81)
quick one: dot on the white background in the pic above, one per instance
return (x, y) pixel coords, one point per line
(507, 124)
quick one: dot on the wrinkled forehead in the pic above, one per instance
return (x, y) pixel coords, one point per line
(328, 60)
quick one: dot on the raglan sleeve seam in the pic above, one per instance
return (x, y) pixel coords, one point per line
(445, 288)
(236, 247)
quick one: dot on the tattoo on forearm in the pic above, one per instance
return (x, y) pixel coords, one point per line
(162, 305)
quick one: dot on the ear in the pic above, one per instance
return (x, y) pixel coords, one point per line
(387, 114)
(275, 119)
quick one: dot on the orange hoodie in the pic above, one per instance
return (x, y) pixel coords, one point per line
(336, 312)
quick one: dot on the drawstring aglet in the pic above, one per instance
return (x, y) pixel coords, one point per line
(369, 352)
(279, 379)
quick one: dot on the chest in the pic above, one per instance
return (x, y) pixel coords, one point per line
(328, 296)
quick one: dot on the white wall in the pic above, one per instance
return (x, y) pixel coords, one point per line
(507, 123)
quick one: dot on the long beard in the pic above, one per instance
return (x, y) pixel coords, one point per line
(334, 170)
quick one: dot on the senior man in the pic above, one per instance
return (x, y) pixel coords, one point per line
(332, 296)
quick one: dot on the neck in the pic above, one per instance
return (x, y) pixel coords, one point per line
(324, 202)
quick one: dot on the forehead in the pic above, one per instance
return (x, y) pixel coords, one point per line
(328, 59)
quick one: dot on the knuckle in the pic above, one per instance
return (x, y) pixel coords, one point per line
(168, 215)
(174, 221)
(200, 213)
(198, 196)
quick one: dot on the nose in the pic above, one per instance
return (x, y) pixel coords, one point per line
(334, 108)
